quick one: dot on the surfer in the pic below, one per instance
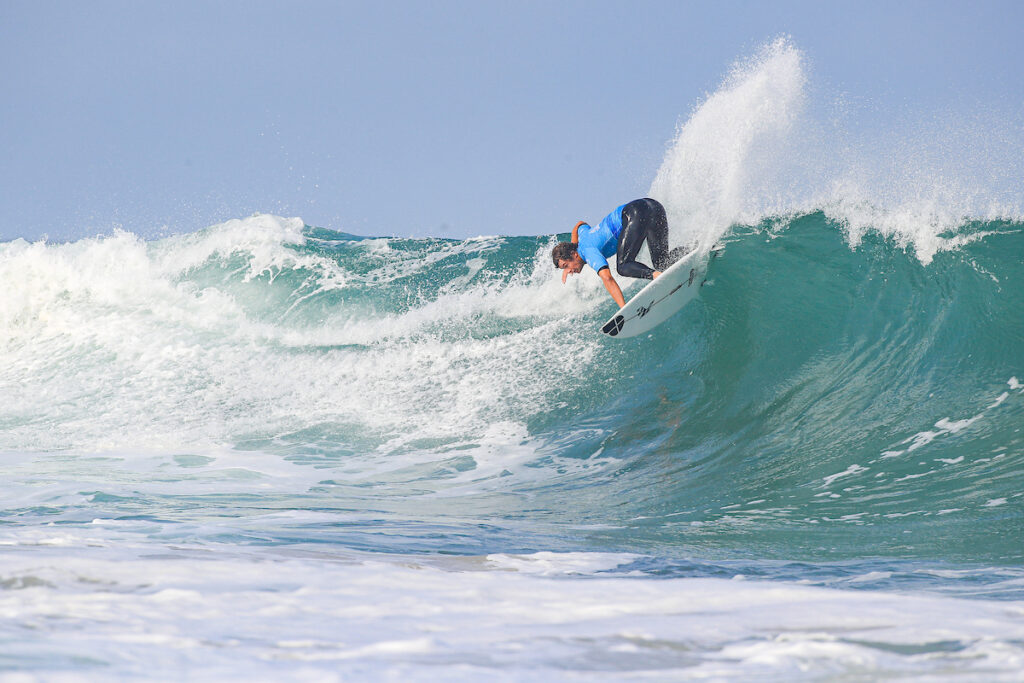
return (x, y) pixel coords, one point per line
(621, 232)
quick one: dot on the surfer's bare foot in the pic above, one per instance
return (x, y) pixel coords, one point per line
(656, 274)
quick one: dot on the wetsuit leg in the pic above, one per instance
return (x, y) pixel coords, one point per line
(657, 234)
(643, 219)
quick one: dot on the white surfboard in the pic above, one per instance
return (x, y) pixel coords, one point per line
(661, 298)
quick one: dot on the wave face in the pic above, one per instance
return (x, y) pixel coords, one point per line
(270, 447)
(814, 393)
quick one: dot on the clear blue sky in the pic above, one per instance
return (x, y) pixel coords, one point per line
(422, 118)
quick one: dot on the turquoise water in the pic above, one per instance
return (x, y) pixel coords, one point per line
(199, 425)
(266, 450)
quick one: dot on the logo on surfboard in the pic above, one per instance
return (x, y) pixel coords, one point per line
(613, 326)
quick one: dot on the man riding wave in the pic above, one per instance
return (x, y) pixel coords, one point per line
(622, 232)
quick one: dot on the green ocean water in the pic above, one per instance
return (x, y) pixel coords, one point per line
(817, 402)
(298, 425)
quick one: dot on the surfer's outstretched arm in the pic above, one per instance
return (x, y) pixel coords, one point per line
(612, 286)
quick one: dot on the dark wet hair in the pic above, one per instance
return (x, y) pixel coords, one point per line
(563, 251)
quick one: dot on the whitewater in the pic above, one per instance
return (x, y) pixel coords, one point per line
(266, 450)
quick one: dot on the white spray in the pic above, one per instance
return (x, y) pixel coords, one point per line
(762, 148)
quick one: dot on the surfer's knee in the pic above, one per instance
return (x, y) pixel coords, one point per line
(634, 269)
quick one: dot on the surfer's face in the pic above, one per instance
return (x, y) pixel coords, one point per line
(574, 265)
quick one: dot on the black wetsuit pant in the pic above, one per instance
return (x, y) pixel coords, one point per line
(642, 219)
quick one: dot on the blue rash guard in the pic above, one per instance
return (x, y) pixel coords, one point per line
(597, 244)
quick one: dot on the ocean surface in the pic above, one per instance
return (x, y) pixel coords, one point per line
(266, 450)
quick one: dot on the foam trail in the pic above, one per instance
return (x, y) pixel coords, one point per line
(244, 326)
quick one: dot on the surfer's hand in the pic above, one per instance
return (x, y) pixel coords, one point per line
(656, 274)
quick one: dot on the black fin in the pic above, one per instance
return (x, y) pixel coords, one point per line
(613, 326)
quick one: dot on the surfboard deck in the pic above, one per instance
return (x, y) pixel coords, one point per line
(662, 298)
